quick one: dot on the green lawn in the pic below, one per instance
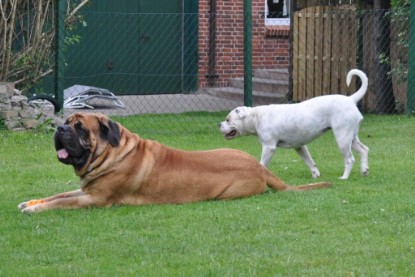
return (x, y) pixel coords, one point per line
(364, 226)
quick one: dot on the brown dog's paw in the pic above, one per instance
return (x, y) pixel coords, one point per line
(26, 204)
(31, 209)
(34, 202)
(22, 205)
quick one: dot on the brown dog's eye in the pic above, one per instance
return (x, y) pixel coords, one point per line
(82, 132)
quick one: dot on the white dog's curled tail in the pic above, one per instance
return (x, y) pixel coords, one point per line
(363, 88)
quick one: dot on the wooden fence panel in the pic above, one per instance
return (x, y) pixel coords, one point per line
(324, 43)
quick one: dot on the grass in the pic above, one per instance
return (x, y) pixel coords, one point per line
(364, 226)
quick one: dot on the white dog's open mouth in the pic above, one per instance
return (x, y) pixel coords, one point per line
(231, 134)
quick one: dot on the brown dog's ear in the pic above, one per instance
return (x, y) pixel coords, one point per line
(110, 131)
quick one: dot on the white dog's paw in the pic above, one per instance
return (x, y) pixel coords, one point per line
(315, 173)
(344, 177)
(364, 171)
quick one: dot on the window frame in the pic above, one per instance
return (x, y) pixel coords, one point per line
(277, 21)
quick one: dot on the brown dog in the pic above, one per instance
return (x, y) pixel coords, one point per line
(118, 167)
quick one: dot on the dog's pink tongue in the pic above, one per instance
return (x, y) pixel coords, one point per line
(62, 153)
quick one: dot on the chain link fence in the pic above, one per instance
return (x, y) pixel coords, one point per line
(123, 62)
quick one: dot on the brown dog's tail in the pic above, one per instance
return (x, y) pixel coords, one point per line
(277, 184)
(310, 186)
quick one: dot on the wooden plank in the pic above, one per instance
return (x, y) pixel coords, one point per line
(302, 52)
(310, 72)
(335, 53)
(349, 41)
(318, 51)
(344, 46)
(369, 57)
(326, 59)
(353, 40)
(295, 61)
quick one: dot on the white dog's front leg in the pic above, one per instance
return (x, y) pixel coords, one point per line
(267, 153)
(305, 155)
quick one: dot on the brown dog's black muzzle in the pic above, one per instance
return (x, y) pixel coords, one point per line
(62, 129)
(64, 137)
(69, 148)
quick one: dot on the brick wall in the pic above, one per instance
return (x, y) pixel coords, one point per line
(270, 47)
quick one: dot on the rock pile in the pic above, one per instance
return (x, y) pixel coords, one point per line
(15, 112)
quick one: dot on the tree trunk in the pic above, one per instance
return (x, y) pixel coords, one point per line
(385, 100)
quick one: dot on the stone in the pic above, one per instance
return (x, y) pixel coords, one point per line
(5, 106)
(6, 90)
(17, 100)
(12, 124)
(30, 123)
(25, 114)
(9, 115)
(25, 105)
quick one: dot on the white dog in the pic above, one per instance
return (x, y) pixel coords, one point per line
(295, 125)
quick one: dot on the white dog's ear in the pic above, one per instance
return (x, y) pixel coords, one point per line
(241, 111)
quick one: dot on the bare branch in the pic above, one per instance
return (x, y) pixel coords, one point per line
(75, 10)
(29, 26)
(8, 48)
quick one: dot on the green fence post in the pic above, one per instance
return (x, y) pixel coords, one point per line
(410, 93)
(248, 53)
(59, 51)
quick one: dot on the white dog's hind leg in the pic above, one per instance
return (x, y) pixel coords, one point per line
(348, 161)
(267, 153)
(363, 150)
(345, 135)
(305, 155)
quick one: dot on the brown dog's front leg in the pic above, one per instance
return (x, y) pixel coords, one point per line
(69, 200)
(74, 193)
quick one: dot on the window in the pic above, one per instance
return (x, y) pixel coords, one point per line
(277, 12)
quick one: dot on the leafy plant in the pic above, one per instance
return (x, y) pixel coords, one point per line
(399, 17)
(45, 125)
(27, 38)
